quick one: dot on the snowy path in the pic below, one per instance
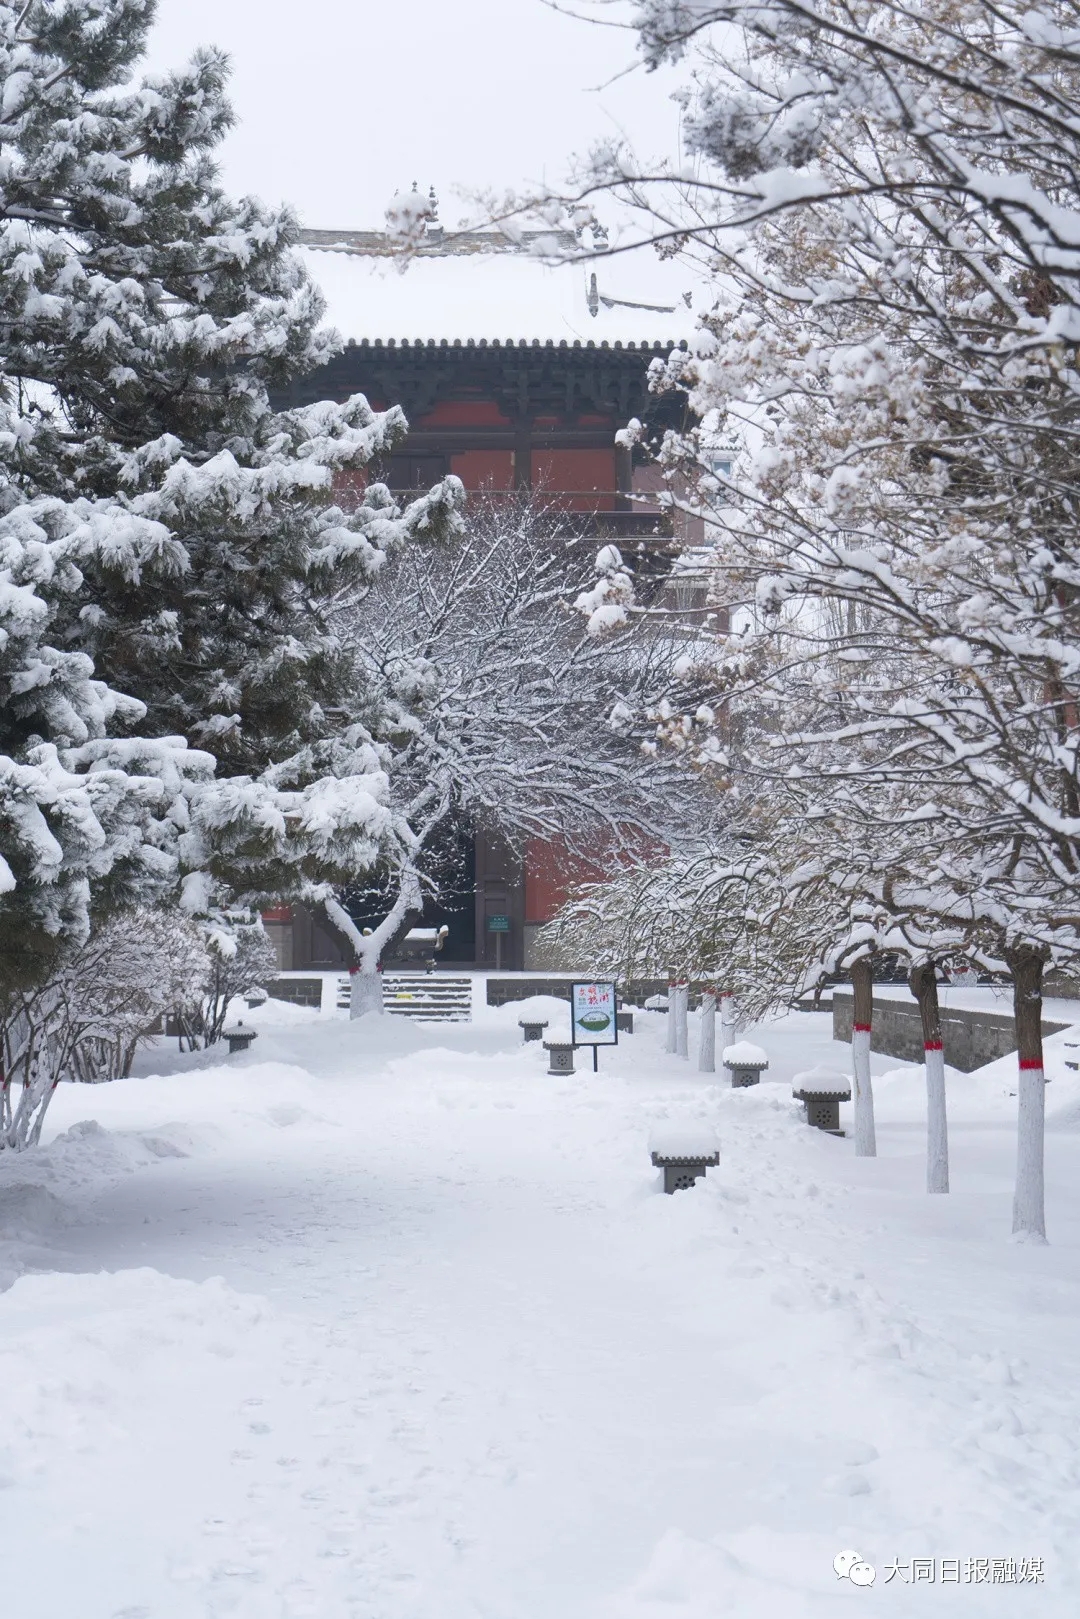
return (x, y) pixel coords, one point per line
(496, 1376)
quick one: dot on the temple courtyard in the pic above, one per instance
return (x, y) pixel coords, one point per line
(380, 1320)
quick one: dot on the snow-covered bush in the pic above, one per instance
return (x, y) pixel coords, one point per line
(84, 1021)
(240, 958)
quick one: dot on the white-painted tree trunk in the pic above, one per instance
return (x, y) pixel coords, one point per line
(365, 983)
(937, 1127)
(1029, 1210)
(365, 992)
(862, 1092)
(1029, 1216)
(922, 980)
(707, 1034)
(727, 1018)
(682, 1033)
(670, 1042)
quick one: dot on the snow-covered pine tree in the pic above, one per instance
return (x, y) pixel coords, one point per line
(168, 540)
(146, 319)
(88, 823)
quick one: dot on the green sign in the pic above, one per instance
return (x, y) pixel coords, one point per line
(498, 924)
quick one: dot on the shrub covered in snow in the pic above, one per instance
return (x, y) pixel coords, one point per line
(84, 1021)
(240, 958)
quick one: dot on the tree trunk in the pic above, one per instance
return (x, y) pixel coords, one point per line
(727, 1019)
(670, 1044)
(862, 1091)
(923, 982)
(38, 1089)
(707, 1036)
(682, 1033)
(365, 982)
(1029, 1216)
(365, 991)
(38, 1059)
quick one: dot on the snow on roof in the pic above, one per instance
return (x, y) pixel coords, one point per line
(512, 296)
(744, 1054)
(821, 1081)
(683, 1139)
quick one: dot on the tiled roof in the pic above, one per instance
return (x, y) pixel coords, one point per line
(657, 346)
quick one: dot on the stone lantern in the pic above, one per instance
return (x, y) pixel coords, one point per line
(745, 1062)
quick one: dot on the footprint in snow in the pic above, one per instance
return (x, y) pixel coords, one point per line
(847, 1484)
(856, 1453)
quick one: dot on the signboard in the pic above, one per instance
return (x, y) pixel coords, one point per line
(592, 1012)
(498, 924)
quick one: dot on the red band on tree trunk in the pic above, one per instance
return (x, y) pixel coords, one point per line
(1030, 1062)
(932, 1045)
(861, 1028)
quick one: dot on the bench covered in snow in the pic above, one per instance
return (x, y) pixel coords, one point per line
(422, 944)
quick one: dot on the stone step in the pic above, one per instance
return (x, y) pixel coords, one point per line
(396, 998)
(439, 1000)
(426, 987)
(431, 1014)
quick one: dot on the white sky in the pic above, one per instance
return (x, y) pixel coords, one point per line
(508, 297)
(343, 102)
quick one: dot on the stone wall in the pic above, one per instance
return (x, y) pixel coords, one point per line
(970, 1039)
(500, 991)
(300, 991)
(635, 992)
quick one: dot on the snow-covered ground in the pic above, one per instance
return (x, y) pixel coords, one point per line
(380, 1321)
